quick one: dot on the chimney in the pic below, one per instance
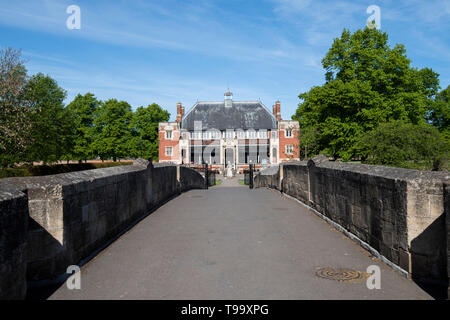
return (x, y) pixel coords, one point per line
(277, 111)
(274, 108)
(179, 112)
(182, 112)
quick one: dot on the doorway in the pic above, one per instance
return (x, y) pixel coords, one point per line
(229, 156)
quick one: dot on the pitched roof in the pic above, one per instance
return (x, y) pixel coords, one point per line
(241, 115)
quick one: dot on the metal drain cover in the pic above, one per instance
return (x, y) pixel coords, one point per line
(347, 275)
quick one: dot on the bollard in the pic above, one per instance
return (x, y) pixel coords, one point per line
(250, 177)
(206, 176)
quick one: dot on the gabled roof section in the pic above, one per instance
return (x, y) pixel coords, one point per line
(241, 115)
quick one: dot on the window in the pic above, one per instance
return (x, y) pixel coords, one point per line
(263, 134)
(288, 133)
(196, 135)
(216, 134)
(274, 134)
(252, 134)
(184, 135)
(289, 149)
(230, 134)
(241, 134)
(169, 151)
(168, 134)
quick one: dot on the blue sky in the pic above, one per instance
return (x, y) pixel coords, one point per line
(169, 51)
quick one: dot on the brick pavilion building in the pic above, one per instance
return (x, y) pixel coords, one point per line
(228, 132)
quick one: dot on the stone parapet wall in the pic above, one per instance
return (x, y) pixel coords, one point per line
(268, 178)
(190, 179)
(69, 216)
(447, 222)
(13, 236)
(399, 212)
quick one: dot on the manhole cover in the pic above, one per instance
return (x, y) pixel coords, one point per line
(342, 274)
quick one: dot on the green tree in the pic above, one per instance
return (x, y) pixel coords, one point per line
(83, 108)
(439, 114)
(145, 129)
(52, 124)
(112, 121)
(367, 83)
(309, 146)
(400, 144)
(15, 109)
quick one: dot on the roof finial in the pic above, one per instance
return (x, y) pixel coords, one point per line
(228, 93)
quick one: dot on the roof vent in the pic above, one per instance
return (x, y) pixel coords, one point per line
(228, 99)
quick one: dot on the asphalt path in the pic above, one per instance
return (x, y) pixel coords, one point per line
(230, 242)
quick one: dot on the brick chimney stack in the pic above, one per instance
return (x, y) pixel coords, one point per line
(277, 110)
(180, 112)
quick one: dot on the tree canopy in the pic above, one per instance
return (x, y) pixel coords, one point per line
(35, 124)
(145, 130)
(51, 124)
(367, 83)
(405, 145)
(15, 111)
(112, 129)
(83, 108)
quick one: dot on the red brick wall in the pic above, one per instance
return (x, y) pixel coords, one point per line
(163, 143)
(286, 141)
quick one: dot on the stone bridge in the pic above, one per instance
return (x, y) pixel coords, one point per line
(154, 232)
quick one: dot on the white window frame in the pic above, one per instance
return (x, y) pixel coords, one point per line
(252, 134)
(167, 134)
(289, 149)
(291, 133)
(171, 151)
(229, 134)
(196, 135)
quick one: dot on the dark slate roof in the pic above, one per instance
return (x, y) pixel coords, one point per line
(241, 115)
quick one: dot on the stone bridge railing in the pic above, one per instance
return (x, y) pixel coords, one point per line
(48, 223)
(398, 212)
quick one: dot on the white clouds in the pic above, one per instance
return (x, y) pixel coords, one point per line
(268, 52)
(289, 6)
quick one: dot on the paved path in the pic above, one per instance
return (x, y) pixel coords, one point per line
(230, 242)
